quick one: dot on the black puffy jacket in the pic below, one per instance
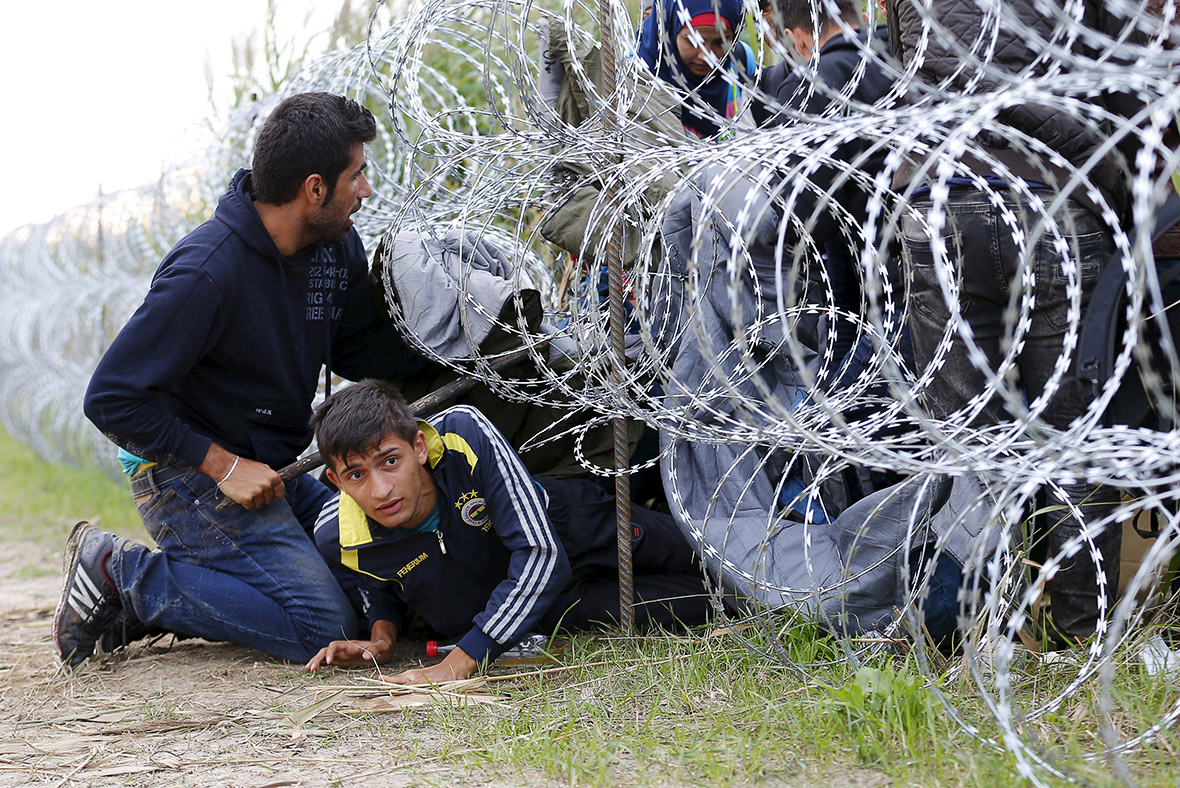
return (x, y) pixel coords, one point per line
(966, 47)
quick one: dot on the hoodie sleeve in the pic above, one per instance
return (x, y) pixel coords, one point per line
(175, 326)
(538, 568)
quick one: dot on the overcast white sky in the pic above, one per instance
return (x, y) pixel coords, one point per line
(103, 92)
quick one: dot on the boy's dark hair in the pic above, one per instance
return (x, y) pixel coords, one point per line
(354, 420)
(800, 13)
(307, 134)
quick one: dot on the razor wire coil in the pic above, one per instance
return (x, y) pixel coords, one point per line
(466, 142)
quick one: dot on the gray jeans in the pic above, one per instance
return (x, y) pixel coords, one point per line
(985, 262)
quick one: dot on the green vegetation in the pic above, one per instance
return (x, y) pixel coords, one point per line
(262, 69)
(42, 501)
(700, 710)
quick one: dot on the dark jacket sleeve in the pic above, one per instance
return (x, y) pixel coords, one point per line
(381, 604)
(177, 324)
(538, 568)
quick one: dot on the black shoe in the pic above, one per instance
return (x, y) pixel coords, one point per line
(89, 604)
(125, 630)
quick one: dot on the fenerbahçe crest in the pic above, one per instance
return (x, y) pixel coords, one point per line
(473, 508)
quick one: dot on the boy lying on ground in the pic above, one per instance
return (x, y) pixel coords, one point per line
(441, 518)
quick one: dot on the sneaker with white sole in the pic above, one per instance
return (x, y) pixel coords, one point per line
(89, 604)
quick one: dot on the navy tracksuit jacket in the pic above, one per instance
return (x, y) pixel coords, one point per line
(511, 555)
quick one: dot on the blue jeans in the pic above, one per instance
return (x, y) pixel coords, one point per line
(248, 577)
(986, 265)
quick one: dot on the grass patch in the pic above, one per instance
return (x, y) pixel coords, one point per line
(42, 501)
(29, 572)
(663, 710)
(696, 711)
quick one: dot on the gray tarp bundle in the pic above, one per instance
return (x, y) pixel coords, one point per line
(456, 289)
(457, 297)
(853, 572)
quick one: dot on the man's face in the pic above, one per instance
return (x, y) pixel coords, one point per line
(803, 41)
(716, 41)
(390, 482)
(332, 220)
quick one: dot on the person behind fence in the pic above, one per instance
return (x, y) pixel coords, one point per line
(440, 518)
(839, 71)
(995, 202)
(693, 45)
(208, 390)
(847, 61)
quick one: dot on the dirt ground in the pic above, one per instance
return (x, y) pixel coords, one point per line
(194, 713)
(189, 713)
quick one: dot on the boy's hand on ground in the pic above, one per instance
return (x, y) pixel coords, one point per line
(351, 653)
(455, 667)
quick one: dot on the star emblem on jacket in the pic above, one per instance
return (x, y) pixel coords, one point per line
(473, 509)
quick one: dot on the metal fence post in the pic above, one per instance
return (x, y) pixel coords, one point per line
(614, 264)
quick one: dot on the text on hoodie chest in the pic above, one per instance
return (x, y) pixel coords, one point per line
(326, 278)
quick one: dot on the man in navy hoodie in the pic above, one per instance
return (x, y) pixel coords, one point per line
(208, 390)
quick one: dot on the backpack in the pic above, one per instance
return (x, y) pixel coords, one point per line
(1102, 331)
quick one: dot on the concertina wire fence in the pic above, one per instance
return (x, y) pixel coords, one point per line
(750, 363)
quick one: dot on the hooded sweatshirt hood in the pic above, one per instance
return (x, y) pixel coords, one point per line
(235, 209)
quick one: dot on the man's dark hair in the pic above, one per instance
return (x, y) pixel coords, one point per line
(800, 13)
(356, 419)
(307, 134)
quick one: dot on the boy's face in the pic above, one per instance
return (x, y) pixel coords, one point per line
(390, 482)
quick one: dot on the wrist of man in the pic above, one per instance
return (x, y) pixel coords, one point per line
(383, 631)
(218, 463)
(461, 664)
